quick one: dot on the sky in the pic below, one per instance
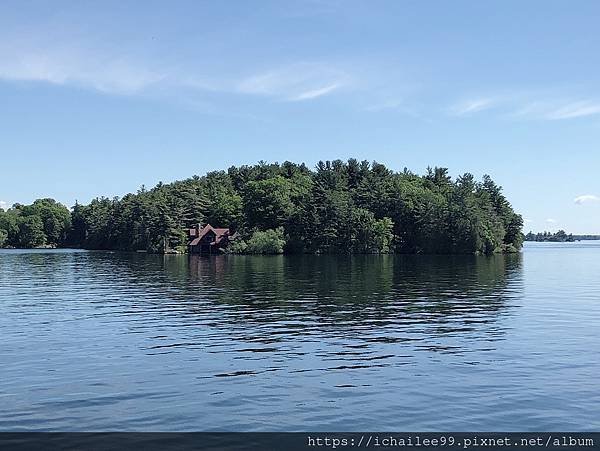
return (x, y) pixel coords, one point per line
(99, 98)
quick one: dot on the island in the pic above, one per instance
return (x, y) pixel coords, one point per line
(342, 207)
(559, 237)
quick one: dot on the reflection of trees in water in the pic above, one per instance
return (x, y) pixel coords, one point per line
(252, 302)
(379, 291)
(50, 272)
(357, 279)
(384, 298)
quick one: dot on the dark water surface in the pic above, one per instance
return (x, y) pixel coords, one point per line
(110, 341)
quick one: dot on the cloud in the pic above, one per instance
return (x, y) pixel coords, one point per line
(76, 57)
(530, 105)
(125, 74)
(558, 110)
(586, 198)
(472, 106)
(71, 56)
(573, 110)
(3, 205)
(296, 82)
(315, 93)
(70, 64)
(551, 221)
(528, 221)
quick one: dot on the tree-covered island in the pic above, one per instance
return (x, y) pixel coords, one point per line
(339, 207)
(558, 237)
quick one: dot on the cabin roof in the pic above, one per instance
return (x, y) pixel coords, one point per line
(220, 233)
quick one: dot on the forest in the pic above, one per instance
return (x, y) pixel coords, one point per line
(337, 207)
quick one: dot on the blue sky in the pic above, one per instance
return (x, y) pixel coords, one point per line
(98, 98)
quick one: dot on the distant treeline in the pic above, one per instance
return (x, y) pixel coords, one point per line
(559, 237)
(339, 207)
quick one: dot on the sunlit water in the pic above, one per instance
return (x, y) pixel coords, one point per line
(112, 341)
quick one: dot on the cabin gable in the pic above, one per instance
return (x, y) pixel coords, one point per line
(208, 239)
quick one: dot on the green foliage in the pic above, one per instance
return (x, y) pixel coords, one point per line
(55, 217)
(237, 247)
(45, 222)
(558, 237)
(10, 226)
(223, 204)
(268, 203)
(383, 235)
(339, 207)
(3, 237)
(266, 242)
(154, 220)
(31, 232)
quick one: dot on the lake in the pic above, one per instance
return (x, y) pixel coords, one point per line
(118, 341)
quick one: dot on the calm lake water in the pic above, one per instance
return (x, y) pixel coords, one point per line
(112, 341)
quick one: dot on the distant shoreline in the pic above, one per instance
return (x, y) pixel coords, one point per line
(559, 237)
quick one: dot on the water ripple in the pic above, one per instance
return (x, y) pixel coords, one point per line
(110, 341)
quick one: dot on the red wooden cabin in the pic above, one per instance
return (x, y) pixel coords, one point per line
(208, 239)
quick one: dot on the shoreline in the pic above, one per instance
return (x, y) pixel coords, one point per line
(519, 251)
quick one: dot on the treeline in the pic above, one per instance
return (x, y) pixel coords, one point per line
(586, 237)
(339, 207)
(558, 237)
(43, 223)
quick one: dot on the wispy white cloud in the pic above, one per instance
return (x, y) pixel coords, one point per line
(130, 70)
(70, 65)
(3, 204)
(573, 110)
(313, 94)
(127, 75)
(551, 221)
(532, 105)
(64, 49)
(296, 82)
(586, 198)
(528, 221)
(557, 110)
(472, 106)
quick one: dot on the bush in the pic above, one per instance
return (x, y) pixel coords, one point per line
(267, 242)
(236, 247)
